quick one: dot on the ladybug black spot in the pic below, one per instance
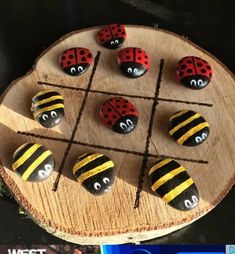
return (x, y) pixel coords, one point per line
(70, 56)
(114, 116)
(109, 122)
(210, 75)
(126, 101)
(183, 67)
(119, 30)
(146, 62)
(127, 51)
(132, 110)
(208, 67)
(139, 51)
(199, 64)
(106, 30)
(128, 57)
(181, 73)
(106, 116)
(89, 55)
(116, 35)
(124, 106)
(139, 58)
(107, 36)
(189, 70)
(63, 58)
(123, 33)
(118, 106)
(203, 71)
(124, 112)
(83, 58)
(82, 52)
(68, 63)
(189, 61)
(109, 110)
(146, 57)
(117, 100)
(113, 28)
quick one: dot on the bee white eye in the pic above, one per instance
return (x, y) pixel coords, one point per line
(106, 180)
(200, 82)
(194, 199)
(45, 117)
(116, 41)
(129, 122)
(191, 204)
(204, 135)
(80, 68)
(188, 203)
(73, 70)
(135, 71)
(193, 82)
(97, 186)
(129, 70)
(198, 139)
(123, 125)
(48, 167)
(53, 114)
(46, 172)
(112, 42)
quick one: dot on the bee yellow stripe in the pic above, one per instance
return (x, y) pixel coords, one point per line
(167, 177)
(35, 164)
(177, 190)
(179, 114)
(52, 98)
(43, 92)
(56, 106)
(85, 161)
(182, 124)
(191, 132)
(25, 155)
(96, 170)
(159, 165)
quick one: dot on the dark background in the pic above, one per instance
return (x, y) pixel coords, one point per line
(27, 27)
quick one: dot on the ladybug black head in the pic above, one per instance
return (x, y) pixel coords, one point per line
(51, 118)
(195, 82)
(126, 124)
(133, 70)
(100, 183)
(76, 70)
(114, 43)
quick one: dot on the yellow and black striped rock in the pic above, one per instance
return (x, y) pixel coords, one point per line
(95, 172)
(188, 128)
(173, 184)
(33, 162)
(48, 108)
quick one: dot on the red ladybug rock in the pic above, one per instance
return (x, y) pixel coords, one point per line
(119, 114)
(112, 36)
(193, 72)
(76, 61)
(134, 62)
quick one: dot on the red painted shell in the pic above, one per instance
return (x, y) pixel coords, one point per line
(116, 108)
(110, 32)
(136, 55)
(75, 56)
(192, 65)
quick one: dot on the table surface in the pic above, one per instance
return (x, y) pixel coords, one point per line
(27, 27)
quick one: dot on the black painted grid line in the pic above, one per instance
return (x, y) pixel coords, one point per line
(146, 152)
(161, 156)
(60, 170)
(123, 94)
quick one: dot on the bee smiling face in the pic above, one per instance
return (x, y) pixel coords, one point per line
(51, 118)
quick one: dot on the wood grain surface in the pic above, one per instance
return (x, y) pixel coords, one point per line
(69, 211)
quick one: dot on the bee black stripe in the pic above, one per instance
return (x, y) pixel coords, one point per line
(22, 151)
(45, 96)
(174, 122)
(50, 103)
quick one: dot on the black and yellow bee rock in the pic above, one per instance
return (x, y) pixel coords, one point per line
(33, 162)
(188, 128)
(95, 172)
(48, 108)
(173, 184)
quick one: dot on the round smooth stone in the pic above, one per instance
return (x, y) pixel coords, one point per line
(33, 162)
(193, 72)
(133, 62)
(119, 114)
(173, 184)
(188, 128)
(112, 36)
(48, 108)
(76, 61)
(95, 172)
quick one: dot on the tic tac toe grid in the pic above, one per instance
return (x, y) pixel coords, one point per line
(145, 154)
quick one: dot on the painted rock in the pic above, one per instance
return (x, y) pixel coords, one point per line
(134, 62)
(95, 172)
(193, 72)
(173, 184)
(48, 108)
(119, 114)
(76, 61)
(188, 128)
(112, 36)
(33, 162)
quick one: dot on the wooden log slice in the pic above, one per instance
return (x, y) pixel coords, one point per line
(71, 212)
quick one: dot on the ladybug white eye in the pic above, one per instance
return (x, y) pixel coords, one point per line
(129, 70)
(80, 68)
(198, 139)
(135, 71)
(200, 82)
(106, 180)
(193, 82)
(129, 122)
(123, 126)
(204, 135)
(97, 186)
(116, 41)
(53, 114)
(45, 117)
(73, 70)
(112, 42)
